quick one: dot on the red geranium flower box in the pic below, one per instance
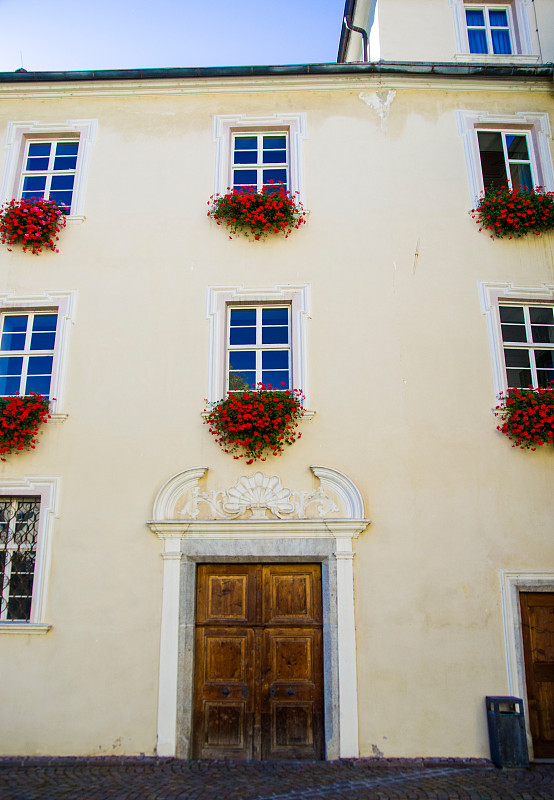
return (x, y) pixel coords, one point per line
(515, 212)
(527, 416)
(257, 214)
(33, 223)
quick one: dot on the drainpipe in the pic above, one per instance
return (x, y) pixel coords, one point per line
(356, 29)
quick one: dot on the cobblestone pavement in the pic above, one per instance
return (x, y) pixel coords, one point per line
(359, 779)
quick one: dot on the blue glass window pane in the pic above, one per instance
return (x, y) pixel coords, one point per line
(11, 365)
(242, 336)
(13, 341)
(43, 341)
(276, 379)
(501, 42)
(498, 19)
(65, 162)
(15, 324)
(63, 199)
(243, 326)
(275, 316)
(275, 176)
(276, 334)
(67, 148)
(35, 183)
(245, 177)
(246, 143)
(39, 149)
(242, 359)
(521, 175)
(246, 157)
(243, 316)
(474, 17)
(37, 164)
(62, 182)
(477, 41)
(242, 381)
(517, 147)
(45, 322)
(9, 386)
(40, 365)
(38, 383)
(275, 359)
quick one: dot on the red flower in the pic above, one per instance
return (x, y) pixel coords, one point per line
(34, 222)
(257, 214)
(20, 418)
(529, 210)
(527, 416)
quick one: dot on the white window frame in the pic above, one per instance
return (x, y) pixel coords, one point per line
(220, 298)
(227, 124)
(18, 134)
(63, 304)
(48, 490)
(486, 7)
(258, 347)
(259, 166)
(525, 47)
(492, 296)
(25, 353)
(539, 136)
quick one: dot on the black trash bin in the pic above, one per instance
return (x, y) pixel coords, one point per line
(507, 737)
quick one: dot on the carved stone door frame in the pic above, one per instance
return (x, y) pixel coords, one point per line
(260, 522)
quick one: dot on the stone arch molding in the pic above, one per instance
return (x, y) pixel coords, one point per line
(258, 497)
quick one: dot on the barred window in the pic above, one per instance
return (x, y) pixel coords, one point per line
(19, 518)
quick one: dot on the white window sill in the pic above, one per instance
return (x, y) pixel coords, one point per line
(75, 219)
(58, 417)
(496, 60)
(24, 627)
(308, 415)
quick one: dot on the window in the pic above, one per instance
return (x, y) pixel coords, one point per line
(253, 152)
(34, 337)
(520, 322)
(259, 160)
(27, 353)
(497, 29)
(18, 549)
(509, 150)
(49, 171)
(259, 347)
(528, 339)
(258, 336)
(505, 159)
(50, 161)
(488, 29)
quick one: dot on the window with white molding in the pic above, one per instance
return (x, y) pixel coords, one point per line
(503, 30)
(34, 340)
(27, 511)
(511, 150)
(49, 161)
(258, 336)
(253, 152)
(520, 323)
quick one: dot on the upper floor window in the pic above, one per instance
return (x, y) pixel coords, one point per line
(259, 347)
(506, 150)
(506, 159)
(49, 161)
(253, 152)
(528, 342)
(49, 169)
(260, 160)
(488, 29)
(520, 323)
(495, 29)
(27, 353)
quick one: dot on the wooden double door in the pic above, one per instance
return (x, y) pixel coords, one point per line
(258, 682)
(537, 622)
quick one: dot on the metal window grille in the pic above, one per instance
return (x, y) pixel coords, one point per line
(18, 545)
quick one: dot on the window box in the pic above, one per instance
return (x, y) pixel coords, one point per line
(257, 214)
(515, 212)
(32, 223)
(528, 417)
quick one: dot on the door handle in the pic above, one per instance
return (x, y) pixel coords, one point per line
(272, 691)
(245, 691)
(291, 692)
(225, 692)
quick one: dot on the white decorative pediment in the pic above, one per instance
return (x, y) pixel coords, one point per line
(258, 497)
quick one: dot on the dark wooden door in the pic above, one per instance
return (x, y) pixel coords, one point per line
(537, 618)
(258, 662)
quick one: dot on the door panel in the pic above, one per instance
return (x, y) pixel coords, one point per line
(537, 618)
(258, 662)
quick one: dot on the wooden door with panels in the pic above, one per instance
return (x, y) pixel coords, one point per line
(537, 624)
(258, 685)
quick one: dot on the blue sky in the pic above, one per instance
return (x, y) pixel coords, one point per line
(119, 34)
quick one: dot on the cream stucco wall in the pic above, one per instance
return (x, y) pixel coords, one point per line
(400, 380)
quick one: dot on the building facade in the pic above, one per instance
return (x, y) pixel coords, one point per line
(361, 593)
